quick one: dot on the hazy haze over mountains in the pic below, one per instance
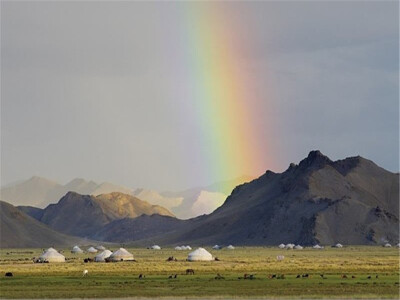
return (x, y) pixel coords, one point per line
(40, 192)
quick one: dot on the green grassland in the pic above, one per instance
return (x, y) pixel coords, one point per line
(111, 280)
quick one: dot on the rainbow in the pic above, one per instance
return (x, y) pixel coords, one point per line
(224, 98)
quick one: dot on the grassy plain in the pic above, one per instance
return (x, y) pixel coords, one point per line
(111, 280)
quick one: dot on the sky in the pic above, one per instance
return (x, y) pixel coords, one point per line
(172, 95)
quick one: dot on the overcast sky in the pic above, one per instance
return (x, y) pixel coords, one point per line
(88, 89)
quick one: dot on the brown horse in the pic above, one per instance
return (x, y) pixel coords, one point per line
(189, 272)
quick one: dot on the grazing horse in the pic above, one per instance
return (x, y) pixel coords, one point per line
(189, 272)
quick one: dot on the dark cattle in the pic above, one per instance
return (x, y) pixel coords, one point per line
(376, 276)
(170, 277)
(9, 274)
(249, 276)
(369, 277)
(322, 275)
(87, 260)
(344, 276)
(217, 259)
(141, 276)
(176, 276)
(305, 275)
(189, 272)
(298, 276)
(352, 276)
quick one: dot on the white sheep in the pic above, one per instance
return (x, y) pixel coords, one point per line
(85, 272)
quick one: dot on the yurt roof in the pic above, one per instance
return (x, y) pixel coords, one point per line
(51, 255)
(200, 254)
(91, 249)
(121, 253)
(103, 255)
(76, 249)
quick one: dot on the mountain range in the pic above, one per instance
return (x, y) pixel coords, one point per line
(40, 192)
(84, 215)
(349, 201)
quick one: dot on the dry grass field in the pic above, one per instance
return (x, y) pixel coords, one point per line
(111, 280)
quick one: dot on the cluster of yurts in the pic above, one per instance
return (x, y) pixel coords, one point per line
(52, 255)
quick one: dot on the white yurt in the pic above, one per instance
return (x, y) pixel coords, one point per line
(155, 247)
(102, 256)
(216, 247)
(200, 254)
(398, 245)
(179, 248)
(91, 250)
(387, 245)
(188, 248)
(338, 245)
(101, 248)
(51, 255)
(230, 247)
(76, 249)
(317, 246)
(289, 246)
(281, 246)
(121, 255)
(298, 247)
